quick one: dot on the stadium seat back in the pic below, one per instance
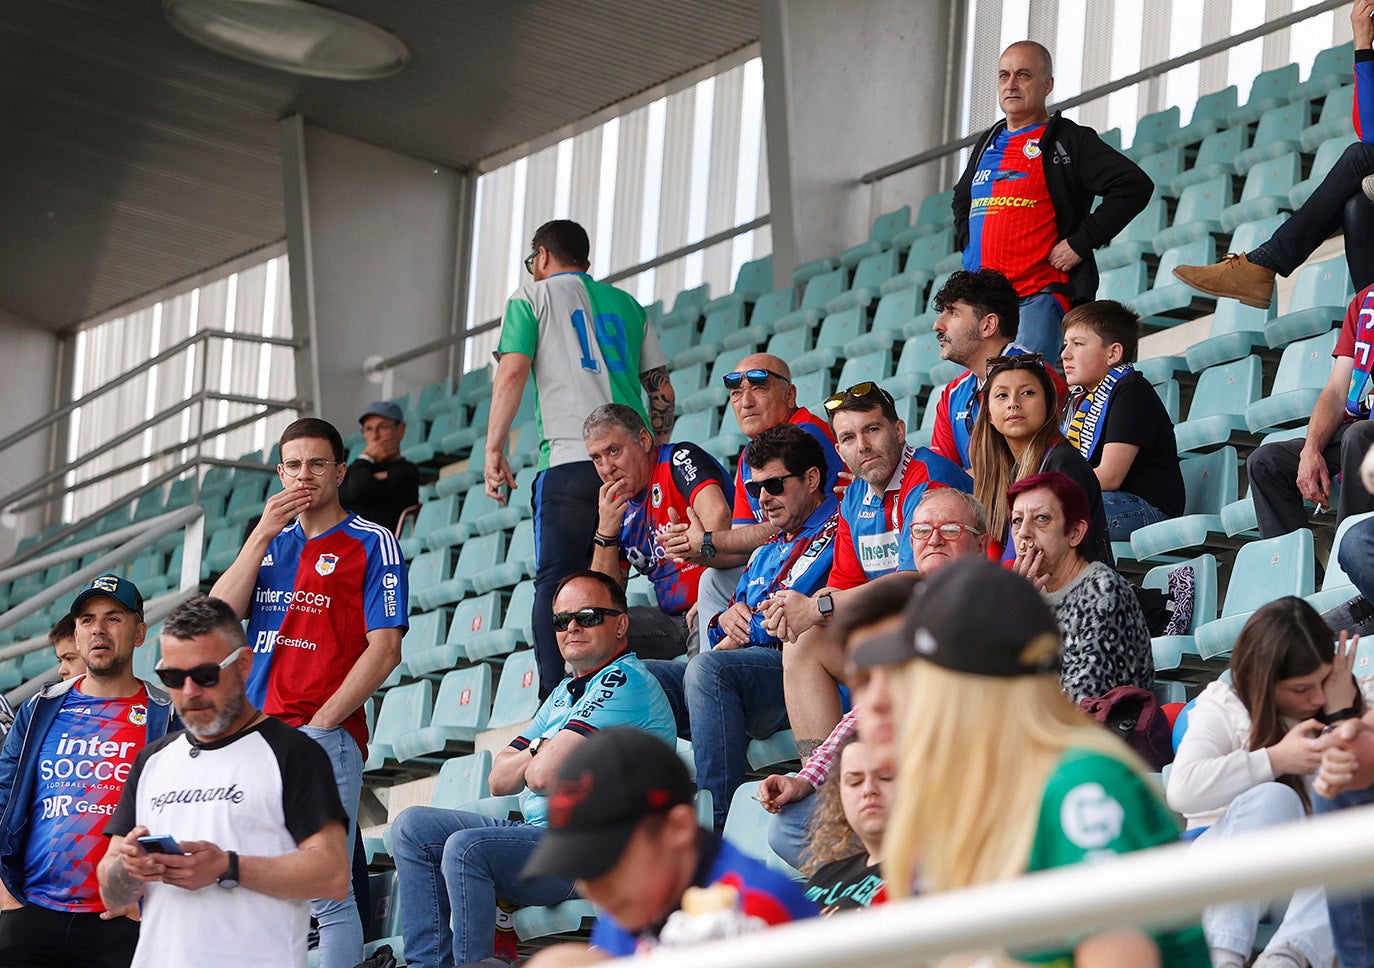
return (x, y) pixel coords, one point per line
(772, 306)
(755, 277)
(875, 366)
(1325, 283)
(896, 309)
(1123, 284)
(1268, 569)
(404, 708)
(1204, 586)
(887, 225)
(1209, 481)
(823, 288)
(837, 329)
(1282, 124)
(928, 250)
(1156, 128)
(517, 693)
(464, 698)
(1164, 165)
(520, 610)
(692, 298)
(1204, 201)
(721, 323)
(1227, 388)
(702, 424)
(1305, 364)
(462, 779)
(937, 210)
(876, 269)
(426, 632)
(1274, 177)
(474, 614)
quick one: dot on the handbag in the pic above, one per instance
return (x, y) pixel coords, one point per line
(1134, 715)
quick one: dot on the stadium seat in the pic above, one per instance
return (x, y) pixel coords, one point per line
(1163, 165)
(1303, 371)
(872, 272)
(812, 388)
(517, 507)
(1336, 584)
(1279, 132)
(426, 633)
(746, 827)
(1124, 283)
(1216, 156)
(694, 298)
(781, 747)
(563, 918)
(437, 513)
(885, 227)
(475, 504)
(837, 330)
(1154, 131)
(461, 441)
(518, 565)
(1334, 121)
(462, 779)
(1328, 153)
(1264, 570)
(713, 392)
(1318, 302)
(676, 340)
(753, 280)
(875, 366)
(719, 325)
(523, 449)
(471, 616)
(1219, 401)
(1270, 89)
(150, 505)
(222, 550)
(404, 709)
(688, 379)
(1135, 240)
(477, 555)
(928, 251)
(514, 631)
(1209, 482)
(935, 214)
(920, 436)
(1265, 192)
(1210, 114)
(1170, 649)
(427, 447)
(807, 271)
(822, 288)
(769, 311)
(727, 444)
(1236, 331)
(703, 424)
(1199, 213)
(1330, 67)
(787, 345)
(517, 694)
(1169, 395)
(639, 590)
(460, 712)
(1169, 301)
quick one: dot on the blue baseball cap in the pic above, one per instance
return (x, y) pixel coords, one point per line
(383, 408)
(110, 586)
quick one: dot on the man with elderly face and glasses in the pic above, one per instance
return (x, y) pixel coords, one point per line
(733, 692)
(977, 323)
(64, 765)
(326, 597)
(587, 343)
(762, 397)
(452, 865)
(249, 801)
(890, 480)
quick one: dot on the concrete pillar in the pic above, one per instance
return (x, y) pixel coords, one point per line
(375, 241)
(33, 362)
(849, 87)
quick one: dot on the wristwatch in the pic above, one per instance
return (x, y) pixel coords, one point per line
(826, 606)
(708, 550)
(230, 878)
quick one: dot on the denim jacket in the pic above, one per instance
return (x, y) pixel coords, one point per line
(19, 766)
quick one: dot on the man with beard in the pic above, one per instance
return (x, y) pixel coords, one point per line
(62, 771)
(251, 804)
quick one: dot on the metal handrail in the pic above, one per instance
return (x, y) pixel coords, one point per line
(1111, 87)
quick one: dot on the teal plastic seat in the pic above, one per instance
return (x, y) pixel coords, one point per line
(1279, 132)
(688, 379)
(1328, 153)
(1236, 331)
(517, 693)
(404, 709)
(807, 271)
(746, 827)
(1335, 121)
(639, 591)
(475, 557)
(461, 441)
(471, 616)
(1209, 483)
(1336, 584)
(425, 634)
(1330, 67)
(517, 508)
(936, 212)
(1124, 283)
(713, 392)
(523, 449)
(1264, 570)
(896, 309)
(837, 330)
(677, 340)
(876, 366)
(1210, 114)
(428, 448)
(1170, 649)
(885, 228)
(1170, 301)
(699, 426)
(150, 505)
(787, 345)
(719, 325)
(1135, 240)
(460, 712)
(813, 388)
(928, 251)
(1265, 192)
(518, 565)
(694, 298)
(869, 277)
(475, 504)
(920, 436)
(1219, 401)
(437, 513)
(1154, 131)
(1169, 394)
(515, 630)
(1303, 371)
(822, 288)
(565, 917)
(727, 444)
(1216, 156)
(1163, 165)
(1270, 89)
(1321, 292)
(768, 751)
(222, 550)
(1198, 214)
(772, 312)
(462, 779)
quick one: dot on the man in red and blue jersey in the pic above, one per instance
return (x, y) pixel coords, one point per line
(1024, 205)
(646, 488)
(326, 597)
(890, 479)
(977, 322)
(62, 771)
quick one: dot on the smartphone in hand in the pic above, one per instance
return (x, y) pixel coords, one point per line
(161, 844)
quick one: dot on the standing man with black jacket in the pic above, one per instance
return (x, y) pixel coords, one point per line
(1023, 205)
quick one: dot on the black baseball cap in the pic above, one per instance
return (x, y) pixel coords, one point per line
(604, 788)
(111, 586)
(975, 617)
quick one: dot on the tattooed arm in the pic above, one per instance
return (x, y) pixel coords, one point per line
(661, 402)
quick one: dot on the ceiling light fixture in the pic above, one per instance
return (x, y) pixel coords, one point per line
(291, 35)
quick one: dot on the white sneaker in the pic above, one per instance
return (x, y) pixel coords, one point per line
(1281, 956)
(1368, 186)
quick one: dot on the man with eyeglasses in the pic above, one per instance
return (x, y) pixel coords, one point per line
(452, 865)
(733, 692)
(762, 396)
(977, 322)
(326, 597)
(64, 765)
(587, 343)
(380, 483)
(249, 802)
(890, 479)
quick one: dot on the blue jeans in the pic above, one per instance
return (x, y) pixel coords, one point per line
(451, 866)
(1232, 925)
(715, 592)
(564, 503)
(341, 928)
(1352, 917)
(1126, 512)
(1041, 329)
(787, 833)
(1356, 555)
(722, 699)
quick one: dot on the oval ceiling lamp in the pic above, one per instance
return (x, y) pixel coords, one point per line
(291, 35)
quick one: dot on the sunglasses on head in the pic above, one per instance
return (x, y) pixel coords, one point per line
(858, 391)
(585, 617)
(204, 676)
(756, 378)
(773, 485)
(1024, 361)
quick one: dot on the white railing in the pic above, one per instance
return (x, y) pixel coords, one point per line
(1161, 886)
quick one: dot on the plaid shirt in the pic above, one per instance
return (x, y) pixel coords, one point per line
(822, 758)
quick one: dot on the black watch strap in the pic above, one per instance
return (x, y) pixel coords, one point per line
(230, 878)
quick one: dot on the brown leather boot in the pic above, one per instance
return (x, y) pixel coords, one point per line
(1236, 277)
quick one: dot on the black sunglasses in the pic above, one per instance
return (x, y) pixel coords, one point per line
(529, 262)
(858, 391)
(772, 485)
(1023, 361)
(586, 617)
(756, 378)
(205, 676)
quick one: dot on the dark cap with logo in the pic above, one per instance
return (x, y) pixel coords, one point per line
(975, 617)
(383, 408)
(110, 586)
(604, 788)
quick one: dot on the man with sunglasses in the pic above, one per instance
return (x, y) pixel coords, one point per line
(452, 865)
(587, 343)
(977, 323)
(64, 765)
(326, 597)
(249, 801)
(890, 479)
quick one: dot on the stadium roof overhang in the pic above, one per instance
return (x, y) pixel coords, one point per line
(134, 157)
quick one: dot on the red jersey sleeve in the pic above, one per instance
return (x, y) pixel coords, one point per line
(942, 438)
(845, 572)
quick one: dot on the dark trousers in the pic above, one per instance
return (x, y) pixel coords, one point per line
(1338, 200)
(564, 503)
(1273, 471)
(36, 937)
(654, 634)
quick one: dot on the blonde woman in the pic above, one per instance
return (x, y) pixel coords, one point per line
(999, 775)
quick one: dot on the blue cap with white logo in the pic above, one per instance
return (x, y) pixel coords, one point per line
(111, 586)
